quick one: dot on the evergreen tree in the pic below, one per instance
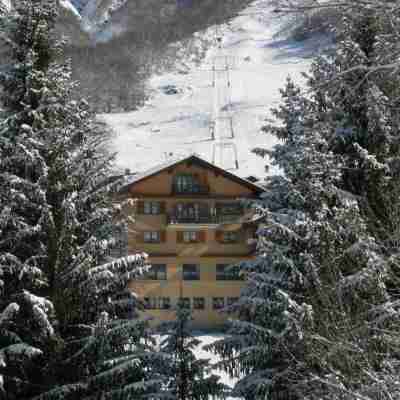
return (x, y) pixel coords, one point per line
(63, 332)
(317, 318)
(186, 378)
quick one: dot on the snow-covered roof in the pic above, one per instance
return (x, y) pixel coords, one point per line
(132, 179)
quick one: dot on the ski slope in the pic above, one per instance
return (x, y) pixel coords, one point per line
(176, 119)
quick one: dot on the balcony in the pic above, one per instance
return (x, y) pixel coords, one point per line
(203, 218)
(190, 189)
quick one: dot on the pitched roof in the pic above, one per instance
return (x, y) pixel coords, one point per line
(132, 179)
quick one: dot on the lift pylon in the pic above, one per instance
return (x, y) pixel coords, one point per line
(222, 130)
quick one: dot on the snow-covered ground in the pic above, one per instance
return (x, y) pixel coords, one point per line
(206, 339)
(177, 122)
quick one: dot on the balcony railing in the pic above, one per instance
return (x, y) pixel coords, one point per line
(202, 219)
(194, 188)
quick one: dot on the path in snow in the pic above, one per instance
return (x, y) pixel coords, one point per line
(176, 119)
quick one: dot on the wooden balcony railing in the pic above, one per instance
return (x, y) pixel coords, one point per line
(195, 188)
(209, 218)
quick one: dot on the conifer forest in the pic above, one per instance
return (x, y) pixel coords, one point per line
(318, 317)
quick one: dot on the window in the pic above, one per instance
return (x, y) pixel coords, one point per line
(190, 236)
(230, 237)
(184, 302)
(120, 248)
(232, 300)
(157, 272)
(157, 303)
(150, 303)
(151, 207)
(198, 303)
(152, 237)
(191, 212)
(227, 272)
(191, 272)
(188, 183)
(188, 210)
(184, 182)
(229, 208)
(218, 303)
(165, 303)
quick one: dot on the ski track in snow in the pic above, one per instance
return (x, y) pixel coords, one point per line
(178, 124)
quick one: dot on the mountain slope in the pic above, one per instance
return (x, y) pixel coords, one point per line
(176, 119)
(124, 42)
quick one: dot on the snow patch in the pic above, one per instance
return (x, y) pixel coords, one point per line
(176, 124)
(15, 351)
(70, 7)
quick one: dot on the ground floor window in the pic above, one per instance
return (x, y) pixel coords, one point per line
(185, 302)
(218, 303)
(157, 303)
(150, 303)
(165, 303)
(199, 303)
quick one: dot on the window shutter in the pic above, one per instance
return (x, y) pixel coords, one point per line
(179, 237)
(140, 207)
(163, 236)
(202, 236)
(139, 237)
(162, 207)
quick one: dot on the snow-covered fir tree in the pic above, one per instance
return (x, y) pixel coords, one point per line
(185, 376)
(63, 331)
(318, 318)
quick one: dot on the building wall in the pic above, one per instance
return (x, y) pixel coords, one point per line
(170, 244)
(207, 253)
(175, 287)
(161, 184)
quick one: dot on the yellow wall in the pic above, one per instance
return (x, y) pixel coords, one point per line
(174, 287)
(207, 254)
(171, 246)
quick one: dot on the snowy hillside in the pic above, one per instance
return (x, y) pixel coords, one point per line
(176, 119)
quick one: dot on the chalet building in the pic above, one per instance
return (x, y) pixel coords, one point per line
(189, 220)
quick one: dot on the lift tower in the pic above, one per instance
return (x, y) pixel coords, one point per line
(222, 126)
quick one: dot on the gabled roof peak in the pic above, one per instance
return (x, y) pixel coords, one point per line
(194, 157)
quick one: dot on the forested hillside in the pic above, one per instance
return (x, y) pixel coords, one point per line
(115, 46)
(126, 44)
